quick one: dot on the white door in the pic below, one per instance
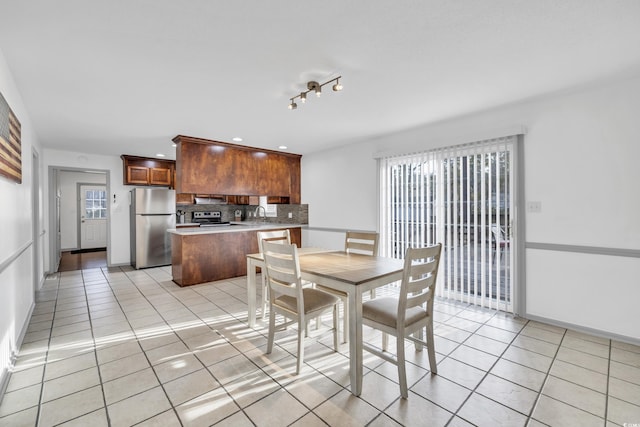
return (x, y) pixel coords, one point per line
(93, 216)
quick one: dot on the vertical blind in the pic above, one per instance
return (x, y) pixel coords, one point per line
(459, 196)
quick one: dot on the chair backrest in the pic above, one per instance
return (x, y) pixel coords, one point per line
(498, 233)
(361, 243)
(276, 236)
(419, 279)
(283, 270)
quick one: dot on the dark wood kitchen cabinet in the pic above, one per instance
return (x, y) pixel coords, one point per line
(213, 167)
(148, 171)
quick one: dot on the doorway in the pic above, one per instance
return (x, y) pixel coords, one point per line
(64, 201)
(463, 197)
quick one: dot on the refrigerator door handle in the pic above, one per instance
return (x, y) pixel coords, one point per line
(163, 214)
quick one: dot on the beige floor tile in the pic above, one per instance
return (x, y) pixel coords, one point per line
(165, 419)
(69, 365)
(129, 385)
(71, 406)
(590, 347)
(496, 333)
(625, 356)
(313, 389)
(476, 358)
(177, 367)
(542, 334)
(624, 372)
(94, 419)
(20, 400)
(138, 408)
(579, 375)
(216, 353)
(69, 384)
(528, 358)
(575, 395)
(526, 377)
(251, 387)
(167, 352)
(460, 373)
(25, 418)
(621, 412)
(624, 390)
(232, 369)
(25, 377)
(312, 420)
(537, 346)
(191, 386)
(486, 345)
(154, 339)
(585, 360)
(345, 409)
(509, 394)
(207, 409)
(442, 392)
(485, 412)
(122, 367)
(109, 353)
(415, 411)
(555, 413)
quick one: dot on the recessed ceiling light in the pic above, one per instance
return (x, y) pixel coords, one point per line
(159, 155)
(283, 147)
(237, 139)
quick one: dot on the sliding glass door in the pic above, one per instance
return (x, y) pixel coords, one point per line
(462, 197)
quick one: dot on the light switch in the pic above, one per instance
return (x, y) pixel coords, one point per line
(534, 207)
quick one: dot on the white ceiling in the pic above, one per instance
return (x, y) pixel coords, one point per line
(125, 77)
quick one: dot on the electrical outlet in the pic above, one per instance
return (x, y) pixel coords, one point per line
(534, 207)
(290, 215)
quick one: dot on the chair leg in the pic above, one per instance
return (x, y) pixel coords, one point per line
(335, 327)
(419, 337)
(265, 297)
(431, 349)
(301, 330)
(402, 371)
(345, 322)
(272, 327)
(385, 341)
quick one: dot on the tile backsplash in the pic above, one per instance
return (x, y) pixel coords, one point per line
(299, 213)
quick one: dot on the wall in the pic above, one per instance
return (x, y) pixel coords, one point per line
(118, 233)
(68, 184)
(581, 155)
(17, 265)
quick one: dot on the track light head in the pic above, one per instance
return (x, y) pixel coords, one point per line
(303, 97)
(316, 87)
(293, 105)
(337, 87)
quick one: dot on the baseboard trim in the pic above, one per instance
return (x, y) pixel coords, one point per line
(5, 376)
(584, 329)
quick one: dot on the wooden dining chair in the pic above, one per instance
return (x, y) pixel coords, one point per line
(408, 315)
(355, 242)
(275, 236)
(290, 299)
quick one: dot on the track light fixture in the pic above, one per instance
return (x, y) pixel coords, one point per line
(315, 87)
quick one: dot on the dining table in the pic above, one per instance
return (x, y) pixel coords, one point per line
(353, 274)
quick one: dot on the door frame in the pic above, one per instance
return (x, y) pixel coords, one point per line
(79, 208)
(54, 214)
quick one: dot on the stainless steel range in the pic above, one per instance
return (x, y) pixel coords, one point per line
(209, 219)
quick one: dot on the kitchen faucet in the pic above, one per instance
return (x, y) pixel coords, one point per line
(264, 211)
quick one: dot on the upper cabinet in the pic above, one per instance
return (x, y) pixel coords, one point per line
(212, 167)
(147, 171)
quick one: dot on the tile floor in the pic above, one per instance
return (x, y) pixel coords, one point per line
(122, 347)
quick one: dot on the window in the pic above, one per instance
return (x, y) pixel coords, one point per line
(95, 206)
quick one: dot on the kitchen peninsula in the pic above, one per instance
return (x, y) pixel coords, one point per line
(200, 255)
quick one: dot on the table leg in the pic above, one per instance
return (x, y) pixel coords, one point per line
(355, 341)
(251, 292)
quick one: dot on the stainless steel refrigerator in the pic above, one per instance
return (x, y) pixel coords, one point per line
(153, 212)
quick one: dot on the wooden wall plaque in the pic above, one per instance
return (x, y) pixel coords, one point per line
(10, 145)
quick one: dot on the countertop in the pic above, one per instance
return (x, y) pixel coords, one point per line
(234, 227)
